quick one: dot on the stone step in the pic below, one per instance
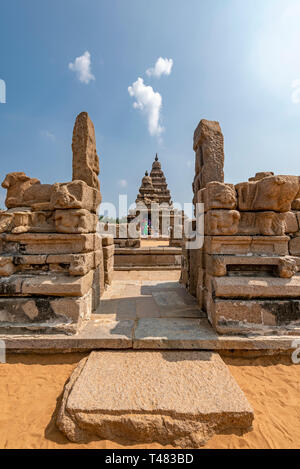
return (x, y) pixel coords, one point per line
(172, 397)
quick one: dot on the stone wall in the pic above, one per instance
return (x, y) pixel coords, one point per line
(51, 257)
(247, 275)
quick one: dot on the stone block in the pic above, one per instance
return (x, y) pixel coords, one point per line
(260, 317)
(275, 193)
(55, 285)
(75, 221)
(254, 287)
(264, 223)
(108, 251)
(108, 263)
(32, 243)
(75, 195)
(222, 222)
(44, 314)
(107, 240)
(227, 244)
(218, 195)
(108, 277)
(294, 246)
(147, 397)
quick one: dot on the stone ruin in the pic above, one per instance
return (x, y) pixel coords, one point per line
(247, 274)
(53, 264)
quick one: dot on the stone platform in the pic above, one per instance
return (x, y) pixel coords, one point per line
(179, 398)
(148, 310)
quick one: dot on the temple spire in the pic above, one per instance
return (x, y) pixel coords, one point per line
(156, 157)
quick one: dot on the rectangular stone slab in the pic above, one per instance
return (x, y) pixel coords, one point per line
(170, 397)
(255, 287)
(46, 285)
(32, 243)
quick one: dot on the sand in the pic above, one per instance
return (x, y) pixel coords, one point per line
(30, 386)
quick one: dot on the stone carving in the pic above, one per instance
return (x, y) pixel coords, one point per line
(271, 193)
(85, 158)
(76, 194)
(75, 221)
(222, 222)
(38, 196)
(16, 184)
(287, 268)
(218, 195)
(262, 223)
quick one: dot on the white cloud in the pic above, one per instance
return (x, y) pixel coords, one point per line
(149, 102)
(48, 135)
(162, 67)
(123, 183)
(296, 93)
(82, 67)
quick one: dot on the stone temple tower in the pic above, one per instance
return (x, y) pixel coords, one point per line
(154, 188)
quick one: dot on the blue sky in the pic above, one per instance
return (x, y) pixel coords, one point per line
(235, 61)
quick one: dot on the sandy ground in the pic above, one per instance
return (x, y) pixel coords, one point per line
(31, 385)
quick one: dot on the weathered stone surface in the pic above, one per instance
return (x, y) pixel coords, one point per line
(291, 222)
(294, 246)
(172, 333)
(85, 158)
(38, 196)
(222, 222)
(179, 398)
(7, 266)
(219, 265)
(75, 194)
(254, 287)
(32, 243)
(56, 285)
(45, 315)
(287, 268)
(6, 221)
(263, 223)
(209, 148)
(260, 176)
(75, 221)
(274, 193)
(108, 251)
(107, 240)
(218, 195)
(296, 201)
(263, 317)
(246, 245)
(16, 184)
